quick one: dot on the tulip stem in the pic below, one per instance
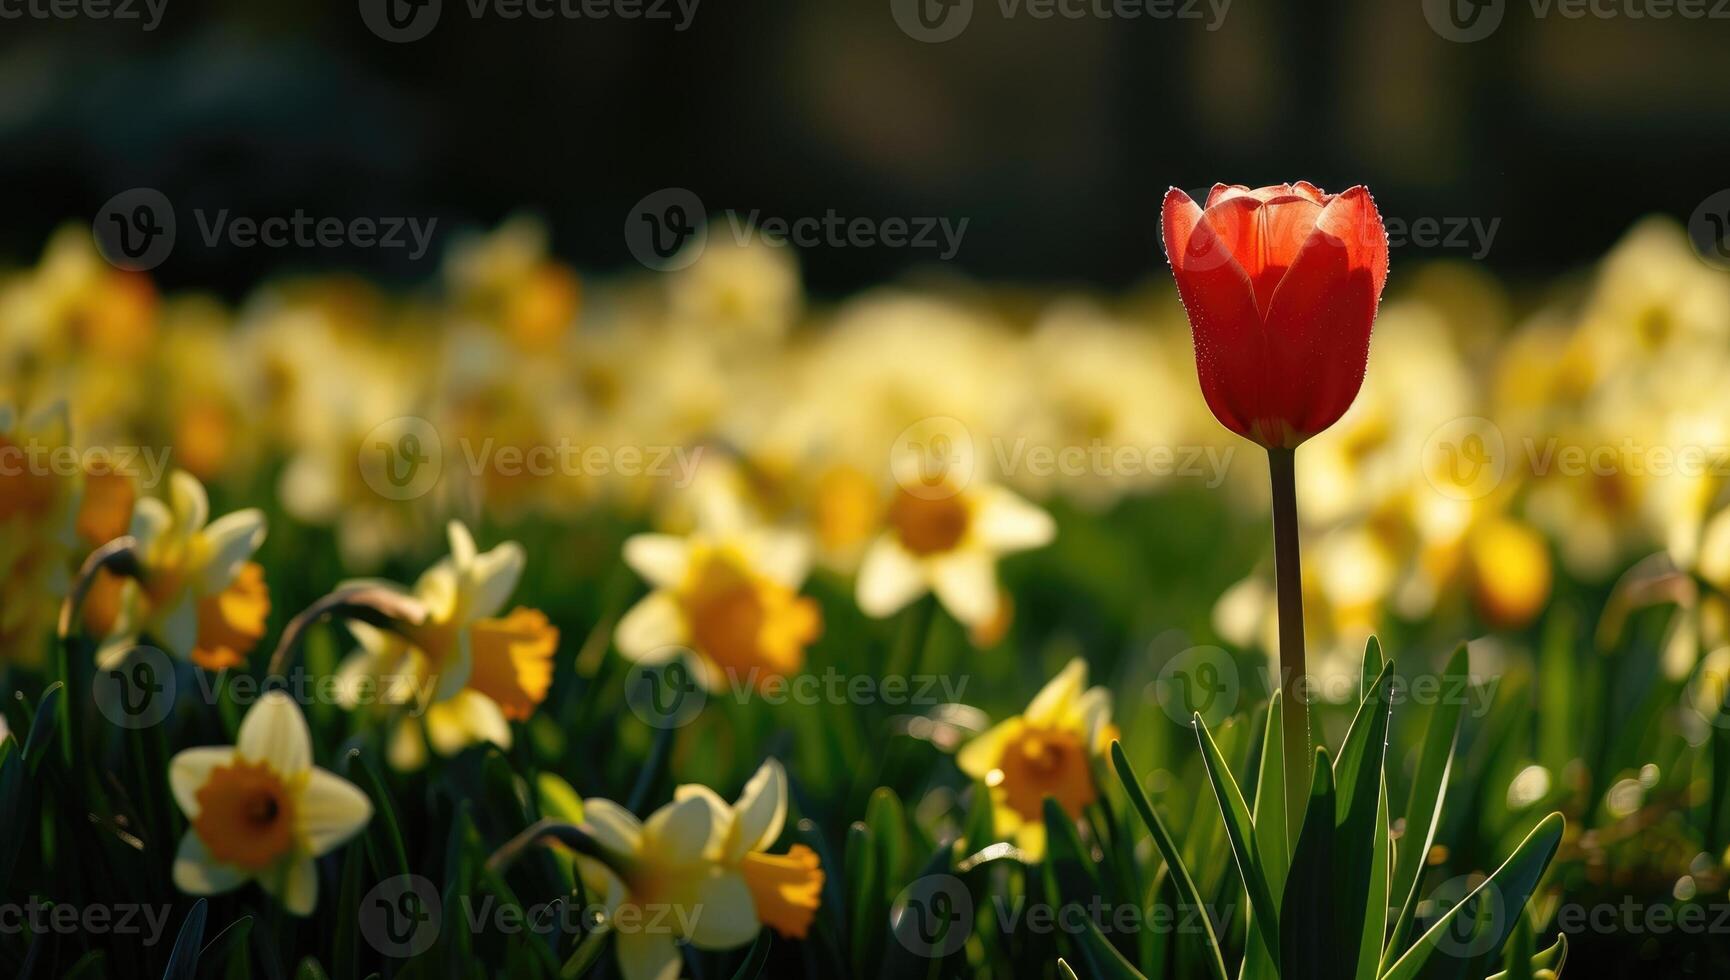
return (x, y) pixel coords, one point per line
(1288, 581)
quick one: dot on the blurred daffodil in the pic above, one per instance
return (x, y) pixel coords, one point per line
(730, 595)
(786, 889)
(37, 520)
(660, 883)
(260, 810)
(472, 670)
(947, 539)
(1048, 750)
(196, 591)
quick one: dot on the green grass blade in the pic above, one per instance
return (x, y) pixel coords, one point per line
(183, 959)
(1240, 830)
(1424, 806)
(1187, 892)
(1273, 843)
(1550, 959)
(1360, 837)
(1513, 884)
(1308, 937)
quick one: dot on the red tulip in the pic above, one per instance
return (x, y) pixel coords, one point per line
(1281, 285)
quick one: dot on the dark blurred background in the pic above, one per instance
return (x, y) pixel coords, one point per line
(1054, 137)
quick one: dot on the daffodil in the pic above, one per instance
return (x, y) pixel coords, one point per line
(476, 670)
(946, 539)
(786, 889)
(37, 515)
(730, 595)
(260, 810)
(660, 883)
(196, 591)
(1048, 750)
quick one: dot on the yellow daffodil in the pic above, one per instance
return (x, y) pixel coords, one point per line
(37, 518)
(197, 593)
(1046, 751)
(730, 596)
(260, 810)
(660, 883)
(786, 889)
(947, 540)
(473, 670)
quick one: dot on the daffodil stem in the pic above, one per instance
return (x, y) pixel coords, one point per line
(1288, 581)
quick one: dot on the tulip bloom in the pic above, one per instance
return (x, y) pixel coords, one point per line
(1281, 284)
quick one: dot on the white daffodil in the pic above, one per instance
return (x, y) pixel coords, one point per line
(197, 592)
(786, 889)
(260, 810)
(730, 597)
(660, 883)
(473, 670)
(1046, 751)
(947, 539)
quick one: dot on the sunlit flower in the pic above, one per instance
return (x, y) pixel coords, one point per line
(947, 539)
(260, 810)
(197, 593)
(1048, 750)
(660, 883)
(730, 594)
(38, 512)
(471, 669)
(786, 889)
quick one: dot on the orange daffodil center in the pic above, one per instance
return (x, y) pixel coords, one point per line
(947, 539)
(699, 870)
(731, 598)
(259, 810)
(197, 593)
(465, 669)
(1047, 751)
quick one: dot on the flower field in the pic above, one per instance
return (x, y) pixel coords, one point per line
(528, 622)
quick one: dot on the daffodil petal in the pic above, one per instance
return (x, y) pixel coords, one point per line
(233, 538)
(760, 812)
(331, 810)
(1057, 698)
(784, 556)
(652, 626)
(646, 955)
(985, 751)
(726, 916)
(188, 501)
(1003, 522)
(493, 577)
(889, 578)
(190, 769)
(661, 559)
(683, 831)
(295, 885)
(966, 584)
(179, 625)
(197, 873)
(612, 826)
(150, 520)
(274, 732)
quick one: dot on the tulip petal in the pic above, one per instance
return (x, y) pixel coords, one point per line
(1223, 319)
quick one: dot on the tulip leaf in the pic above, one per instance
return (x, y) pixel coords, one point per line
(1186, 889)
(1373, 661)
(1271, 840)
(1361, 840)
(1424, 806)
(1494, 903)
(1241, 832)
(1308, 937)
